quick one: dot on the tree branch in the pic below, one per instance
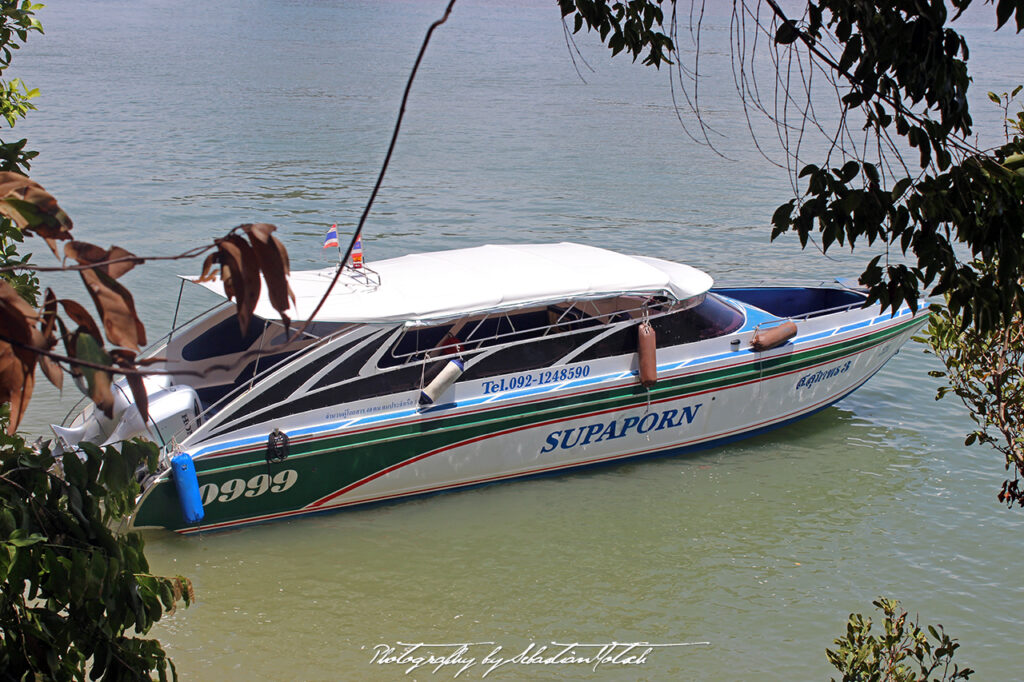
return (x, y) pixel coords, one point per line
(383, 169)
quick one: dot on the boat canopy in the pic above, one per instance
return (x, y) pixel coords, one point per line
(434, 287)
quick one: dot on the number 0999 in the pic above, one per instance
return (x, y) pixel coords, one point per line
(259, 484)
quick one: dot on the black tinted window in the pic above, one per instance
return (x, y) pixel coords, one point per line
(708, 320)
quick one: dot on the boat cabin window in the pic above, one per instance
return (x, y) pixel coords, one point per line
(536, 354)
(414, 344)
(707, 320)
(314, 330)
(473, 336)
(525, 340)
(492, 345)
(223, 338)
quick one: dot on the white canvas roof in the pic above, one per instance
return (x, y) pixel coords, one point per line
(432, 287)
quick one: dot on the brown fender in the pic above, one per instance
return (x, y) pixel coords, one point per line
(773, 336)
(647, 348)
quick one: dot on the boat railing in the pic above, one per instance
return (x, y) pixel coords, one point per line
(835, 283)
(827, 311)
(566, 322)
(146, 352)
(241, 389)
(722, 286)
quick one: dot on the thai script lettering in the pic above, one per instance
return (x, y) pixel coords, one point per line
(576, 436)
(808, 380)
(372, 409)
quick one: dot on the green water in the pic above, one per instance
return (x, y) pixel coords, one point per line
(162, 124)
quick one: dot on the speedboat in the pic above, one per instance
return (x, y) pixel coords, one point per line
(449, 369)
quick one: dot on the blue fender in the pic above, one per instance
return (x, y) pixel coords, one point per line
(187, 483)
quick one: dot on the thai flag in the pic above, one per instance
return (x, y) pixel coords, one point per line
(357, 252)
(332, 237)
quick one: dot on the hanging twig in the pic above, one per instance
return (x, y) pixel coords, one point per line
(383, 169)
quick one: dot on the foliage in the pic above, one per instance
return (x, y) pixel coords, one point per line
(17, 20)
(986, 371)
(959, 195)
(27, 336)
(903, 653)
(73, 589)
(77, 597)
(625, 26)
(900, 70)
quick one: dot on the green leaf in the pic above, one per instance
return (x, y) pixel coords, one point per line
(19, 538)
(74, 469)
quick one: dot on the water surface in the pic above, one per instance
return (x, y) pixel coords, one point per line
(162, 125)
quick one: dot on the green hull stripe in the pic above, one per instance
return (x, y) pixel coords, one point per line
(373, 451)
(568, 406)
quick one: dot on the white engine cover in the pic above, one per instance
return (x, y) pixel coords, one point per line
(173, 413)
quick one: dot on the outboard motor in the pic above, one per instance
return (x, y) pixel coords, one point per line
(173, 411)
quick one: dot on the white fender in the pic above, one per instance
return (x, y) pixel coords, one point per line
(449, 374)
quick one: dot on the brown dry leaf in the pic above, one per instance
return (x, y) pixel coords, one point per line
(17, 364)
(49, 317)
(52, 371)
(229, 259)
(117, 309)
(16, 383)
(69, 349)
(50, 368)
(207, 274)
(126, 359)
(84, 252)
(260, 231)
(77, 312)
(283, 255)
(243, 276)
(273, 263)
(16, 315)
(33, 209)
(89, 254)
(115, 270)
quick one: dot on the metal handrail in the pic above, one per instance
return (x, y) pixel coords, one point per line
(544, 328)
(243, 388)
(148, 350)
